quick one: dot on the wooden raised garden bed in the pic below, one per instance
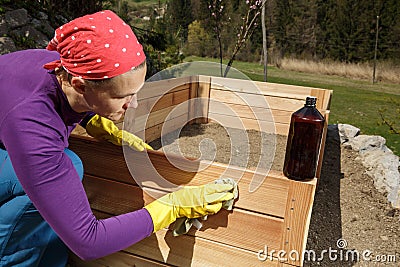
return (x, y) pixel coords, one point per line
(275, 217)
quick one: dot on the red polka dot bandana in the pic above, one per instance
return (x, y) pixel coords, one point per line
(96, 46)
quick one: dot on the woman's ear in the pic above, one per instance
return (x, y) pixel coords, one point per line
(78, 84)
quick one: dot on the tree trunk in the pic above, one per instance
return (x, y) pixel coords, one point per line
(264, 33)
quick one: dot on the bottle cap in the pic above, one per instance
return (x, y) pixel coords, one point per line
(311, 101)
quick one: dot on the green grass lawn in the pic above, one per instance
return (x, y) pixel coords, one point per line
(354, 102)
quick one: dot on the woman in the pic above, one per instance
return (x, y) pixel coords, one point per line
(97, 67)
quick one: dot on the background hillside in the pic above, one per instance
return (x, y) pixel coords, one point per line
(328, 30)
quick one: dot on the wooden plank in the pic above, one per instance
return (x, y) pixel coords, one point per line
(187, 250)
(327, 99)
(323, 98)
(180, 96)
(193, 90)
(273, 192)
(119, 198)
(200, 95)
(297, 219)
(145, 106)
(245, 123)
(158, 117)
(250, 117)
(288, 95)
(269, 89)
(320, 95)
(157, 88)
(253, 100)
(322, 148)
(235, 234)
(156, 131)
(176, 251)
(101, 158)
(105, 160)
(160, 172)
(118, 259)
(244, 111)
(260, 88)
(225, 227)
(284, 90)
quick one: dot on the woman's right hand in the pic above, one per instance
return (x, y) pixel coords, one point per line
(190, 202)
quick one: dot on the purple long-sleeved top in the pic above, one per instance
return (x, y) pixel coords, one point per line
(35, 122)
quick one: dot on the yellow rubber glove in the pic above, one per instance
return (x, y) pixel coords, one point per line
(105, 129)
(190, 202)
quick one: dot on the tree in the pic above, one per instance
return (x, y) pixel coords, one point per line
(161, 43)
(264, 34)
(389, 32)
(179, 14)
(199, 42)
(352, 36)
(246, 29)
(324, 26)
(244, 24)
(217, 14)
(75, 8)
(123, 11)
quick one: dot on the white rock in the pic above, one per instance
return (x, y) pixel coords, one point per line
(363, 143)
(347, 132)
(394, 197)
(383, 168)
(381, 163)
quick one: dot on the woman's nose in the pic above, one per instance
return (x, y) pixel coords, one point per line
(131, 103)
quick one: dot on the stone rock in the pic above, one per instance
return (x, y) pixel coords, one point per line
(347, 132)
(382, 166)
(24, 31)
(30, 34)
(16, 18)
(362, 143)
(36, 23)
(47, 29)
(43, 26)
(381, 163)
(62, 19)
(7, 45)
(43, 16)
(3, 27)
(394, 197)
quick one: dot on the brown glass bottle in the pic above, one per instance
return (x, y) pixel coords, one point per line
(304, 140)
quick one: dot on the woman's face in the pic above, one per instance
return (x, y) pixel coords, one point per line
(112, 99)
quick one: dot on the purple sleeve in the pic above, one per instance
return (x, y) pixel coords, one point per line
(35, 140)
